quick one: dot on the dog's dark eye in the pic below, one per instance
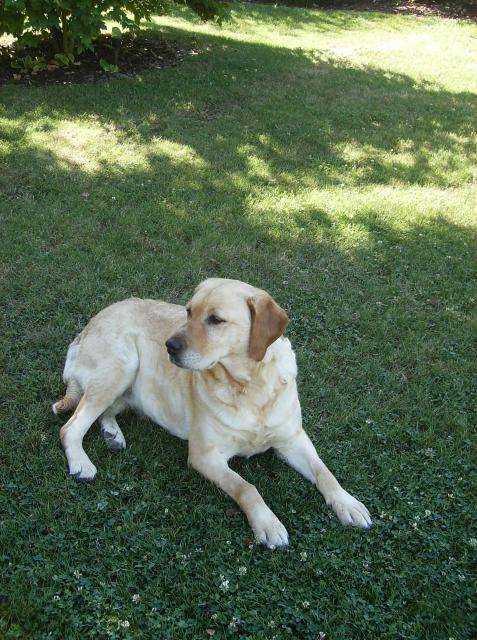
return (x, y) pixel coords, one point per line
(213, 319)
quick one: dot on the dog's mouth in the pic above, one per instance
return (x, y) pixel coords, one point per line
(177, 362)
(190, 363)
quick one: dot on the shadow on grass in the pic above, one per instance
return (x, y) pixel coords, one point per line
(208, 140)
(329, 124)
(389, 307)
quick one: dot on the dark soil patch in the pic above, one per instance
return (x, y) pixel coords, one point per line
(443, 9)
(135, 54)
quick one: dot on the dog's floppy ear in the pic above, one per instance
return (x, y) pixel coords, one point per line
(269, 321)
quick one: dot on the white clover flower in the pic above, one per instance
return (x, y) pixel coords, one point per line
(224, 585)
(473, 542)
(136, 597)
(242, 571)
(125, 624)
(303, 556)
(305, 604)
(214, 616)
(427, 513)
(77, 574)
(56, 598)
(233, 623)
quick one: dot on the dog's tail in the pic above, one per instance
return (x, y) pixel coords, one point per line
(71, 398)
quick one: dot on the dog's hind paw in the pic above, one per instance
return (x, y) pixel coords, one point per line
(114, 440)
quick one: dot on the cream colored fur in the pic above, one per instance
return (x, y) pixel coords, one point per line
(230, 391)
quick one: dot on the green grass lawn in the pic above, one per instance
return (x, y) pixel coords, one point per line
(329, 157)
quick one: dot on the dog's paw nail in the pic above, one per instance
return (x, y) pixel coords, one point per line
(86, 480)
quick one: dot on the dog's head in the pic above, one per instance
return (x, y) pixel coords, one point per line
(226, 318)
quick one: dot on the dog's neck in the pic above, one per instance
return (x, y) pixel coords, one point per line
(240, 370)
(238, 378)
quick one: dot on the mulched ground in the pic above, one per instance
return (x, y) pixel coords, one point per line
(135, 54)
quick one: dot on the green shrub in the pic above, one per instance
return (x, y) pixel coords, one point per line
(73, 24)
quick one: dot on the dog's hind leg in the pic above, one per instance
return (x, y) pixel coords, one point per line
(112, 434)
(97, 399)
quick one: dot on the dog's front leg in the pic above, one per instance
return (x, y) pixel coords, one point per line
(299, 452)
(266, 526)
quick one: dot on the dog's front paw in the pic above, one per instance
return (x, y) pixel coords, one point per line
(349, 511)
(81, 467)
(268, 530)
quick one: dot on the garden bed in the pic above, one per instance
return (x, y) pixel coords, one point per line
(134, 55)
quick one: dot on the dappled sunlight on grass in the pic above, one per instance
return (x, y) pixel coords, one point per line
(285, 27)
(332, 214)
(87, 144)
(177, 154)
(333, 122)
(403, 44)
(91, 146)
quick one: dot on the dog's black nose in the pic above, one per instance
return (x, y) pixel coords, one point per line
(173, 346)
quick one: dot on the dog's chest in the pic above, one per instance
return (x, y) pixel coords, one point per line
(252, 425)
(251, 420)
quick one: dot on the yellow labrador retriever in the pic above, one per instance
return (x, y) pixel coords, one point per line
(217, 372)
